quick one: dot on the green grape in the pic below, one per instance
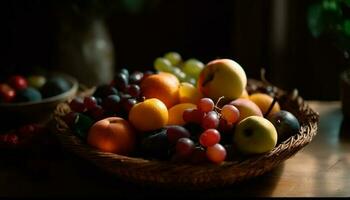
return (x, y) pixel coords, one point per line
(174, 58)
(163, 65)
(193, 67)
(190, 79)
(180, 75)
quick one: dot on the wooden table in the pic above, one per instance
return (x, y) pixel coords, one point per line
(320, 169)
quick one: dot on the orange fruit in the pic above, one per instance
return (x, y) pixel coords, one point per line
(163, 86)
(263, 101)
(149, 115)
(176, 112)
(112, 134)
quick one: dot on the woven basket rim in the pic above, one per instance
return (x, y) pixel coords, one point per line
(166, 173)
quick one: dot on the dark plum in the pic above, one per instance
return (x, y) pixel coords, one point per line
(285, 123)
(175, 132)
(156, 145)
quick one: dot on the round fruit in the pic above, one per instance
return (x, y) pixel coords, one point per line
(285, 123)
(113, 134)
(246, 108)
(264, 101)
(36, 81)
(176, 113)
(176, 132)
(149, 115)
(163, 86)
(55, 86)
(7, 94)
(222, 77)
(18, 82)
(193, 67)
(216, 153)
(254, 135)
(173, 57)
(28, 94)
(188, 93)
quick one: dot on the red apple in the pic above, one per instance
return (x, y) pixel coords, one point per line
(7, 94)
(112, 134)
(18, 82)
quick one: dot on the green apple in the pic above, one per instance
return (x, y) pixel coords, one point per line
(255, 135)
(222, 77)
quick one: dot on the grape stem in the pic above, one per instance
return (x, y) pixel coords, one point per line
(217, 102)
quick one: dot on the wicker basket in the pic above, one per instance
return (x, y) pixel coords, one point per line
(189, 176)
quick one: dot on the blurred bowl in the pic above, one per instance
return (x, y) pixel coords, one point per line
(18, 113)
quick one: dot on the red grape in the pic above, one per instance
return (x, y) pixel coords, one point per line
(210, 120)
(184, 147)
(206, 104)
(230, 113)
(90, 102)
(193, 115)
(216, 153)
(77, 104)
(209, 137)
(199, 155)
(224, 126)
(97, 112)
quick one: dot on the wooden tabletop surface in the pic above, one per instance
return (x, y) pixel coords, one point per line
(321, 169)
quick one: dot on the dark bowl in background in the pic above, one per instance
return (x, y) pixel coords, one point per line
(18, 113)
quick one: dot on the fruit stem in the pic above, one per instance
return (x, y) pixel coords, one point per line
(217, 102)
(271, 106)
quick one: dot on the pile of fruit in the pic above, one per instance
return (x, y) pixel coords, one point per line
(34, 88)
(184, 112)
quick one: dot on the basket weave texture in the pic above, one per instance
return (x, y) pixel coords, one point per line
(190, 176)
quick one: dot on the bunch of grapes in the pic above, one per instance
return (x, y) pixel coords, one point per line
(185, 71)
(114, 99)
(201, 139)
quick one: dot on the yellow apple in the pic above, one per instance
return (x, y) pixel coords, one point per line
(255, 135)
(222, 77)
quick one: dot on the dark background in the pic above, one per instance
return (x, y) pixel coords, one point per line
(272, 34)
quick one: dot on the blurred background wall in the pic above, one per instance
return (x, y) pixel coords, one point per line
(270, 34)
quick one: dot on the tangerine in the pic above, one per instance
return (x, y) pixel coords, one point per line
(163, 86)
(149, 115)
(263, 101)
